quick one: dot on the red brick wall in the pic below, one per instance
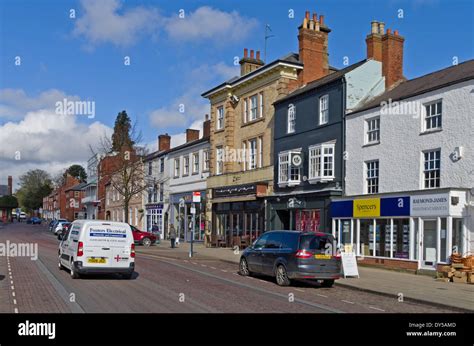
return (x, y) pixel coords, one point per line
(388, 263)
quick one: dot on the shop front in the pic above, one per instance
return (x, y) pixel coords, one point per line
(303, 212)
(155, 218)
(417, 230)
(238, 214)
(181, 216)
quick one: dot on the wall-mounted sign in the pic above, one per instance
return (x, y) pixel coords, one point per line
(296, 159)
(295, 203)
(154, 206)
(238, 190)
(430, 205)
(196, 197)
(395, 206)
(366, 207)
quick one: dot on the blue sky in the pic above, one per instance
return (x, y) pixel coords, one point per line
(173, 60)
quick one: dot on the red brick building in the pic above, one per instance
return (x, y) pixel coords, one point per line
(56, 205)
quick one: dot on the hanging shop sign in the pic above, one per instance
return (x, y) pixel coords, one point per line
(430, 205)
(366, 208)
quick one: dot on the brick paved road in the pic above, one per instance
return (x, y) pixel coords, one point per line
(165, 285)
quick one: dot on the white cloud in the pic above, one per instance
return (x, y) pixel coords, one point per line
(104, 22)
(207, 23)
(43, 139)
(14, 103)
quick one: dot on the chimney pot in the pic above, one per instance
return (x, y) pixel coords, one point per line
(321, 20)
(395, 32)
(315, 17)
(311, 25)
(375, 27)
(258, 55)
(382, 28)
(246, 52)
(389, 31)
(306, 15)
(251, 54)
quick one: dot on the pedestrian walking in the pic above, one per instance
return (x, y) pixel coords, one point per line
(172, 236)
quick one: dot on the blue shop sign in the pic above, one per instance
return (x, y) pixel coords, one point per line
(341, 208)
(395, 206)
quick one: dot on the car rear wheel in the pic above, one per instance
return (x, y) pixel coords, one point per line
(74, 273)
(146, 242)
(282, 276)
(244, 267)
(327, 283)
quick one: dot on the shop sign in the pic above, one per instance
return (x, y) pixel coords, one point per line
(395, 206)
(430, 205)
(154, 206)
(295, 203)
(196, 197)
(366, 208)
(341, 208)
(238, 190)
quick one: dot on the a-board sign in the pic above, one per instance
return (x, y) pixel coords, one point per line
(349, 264)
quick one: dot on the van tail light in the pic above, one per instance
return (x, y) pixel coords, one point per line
(80, 249)
(337, 256)
(132, 251)
(303, 254)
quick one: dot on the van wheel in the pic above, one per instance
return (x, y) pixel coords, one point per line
(327, 283)
(281, 276)
(146, 242)
(244, 267)
(74, 274)
(60, 266)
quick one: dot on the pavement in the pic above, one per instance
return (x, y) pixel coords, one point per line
(399, 285)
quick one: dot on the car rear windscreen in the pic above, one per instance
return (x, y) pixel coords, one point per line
(317, 243)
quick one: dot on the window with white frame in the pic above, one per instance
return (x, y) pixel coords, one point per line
(220, 118)
(246, 110)
(161, 192)
(195, 163)
(244, 155)
(162, 165)
(432, 168)
(323, 109)
(260, 102)
(186, 165)
(176, 167)
(155, 194)
(291, 118)
(219, 160)
(253, 107)
(373, 130)
(150, 168)
(372, 176)
(205, 167)
(321, 162)
(433, 113)
(260, 152)
(252, 153)
(287, 173)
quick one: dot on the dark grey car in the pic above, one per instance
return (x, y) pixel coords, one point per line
(290, 255)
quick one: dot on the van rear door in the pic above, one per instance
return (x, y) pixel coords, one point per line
(107, 245)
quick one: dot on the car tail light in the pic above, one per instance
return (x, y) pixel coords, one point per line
(303, 254)
(80, 249)
(132, 251)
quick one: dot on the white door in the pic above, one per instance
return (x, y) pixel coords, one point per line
(428, 244)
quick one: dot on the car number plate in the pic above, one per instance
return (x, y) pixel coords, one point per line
(322, 256)
(96, 260)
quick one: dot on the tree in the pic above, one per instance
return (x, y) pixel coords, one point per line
(34, 186)
(8, 202)
(127, 175)
(77, 171)
(122, 132)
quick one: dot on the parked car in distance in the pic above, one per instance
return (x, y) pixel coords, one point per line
(95, 247)
(34, 220)
(59, 227)
(142, 237)
(54, 223)
(22, 215)
(288, 255)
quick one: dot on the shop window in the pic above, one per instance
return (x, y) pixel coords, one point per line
(382, 237)
(366, 237)
(308, 220)
(457, 240)
(443, 237)
(401, 238)
(345, 232)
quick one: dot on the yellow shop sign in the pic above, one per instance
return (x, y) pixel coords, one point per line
(366, 207)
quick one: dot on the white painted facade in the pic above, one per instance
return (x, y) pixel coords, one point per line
(400, 154)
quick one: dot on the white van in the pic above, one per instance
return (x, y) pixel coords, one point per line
(97, 246)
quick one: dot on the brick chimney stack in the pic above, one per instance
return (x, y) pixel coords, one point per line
(10, 185)
(386, 47)
(313, 48)
(164, 142)
(206, 127)
(192, 135)
(250, 63)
